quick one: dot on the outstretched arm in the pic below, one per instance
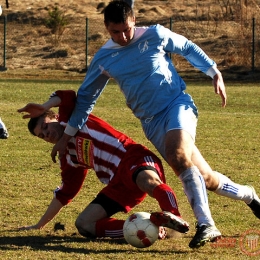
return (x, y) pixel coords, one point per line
(53, 209)
(34, 110)
(65, 99)
(197, 58)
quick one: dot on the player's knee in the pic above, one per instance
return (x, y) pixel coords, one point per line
(179, 162)
(78, 224)
(147, 181)
(83, 228)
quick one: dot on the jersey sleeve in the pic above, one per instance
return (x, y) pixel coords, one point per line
(72, 181)
(176, 43)
(68, 100)
(87, 95)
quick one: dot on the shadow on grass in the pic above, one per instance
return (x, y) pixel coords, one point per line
(58, 244)
(50, 243)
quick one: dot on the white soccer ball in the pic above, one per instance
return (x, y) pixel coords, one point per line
(139, 231)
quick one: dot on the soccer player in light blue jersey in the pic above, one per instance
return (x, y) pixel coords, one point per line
(137, 58)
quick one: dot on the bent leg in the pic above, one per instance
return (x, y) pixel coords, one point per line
(219, 183)
(149, 181)
(193, 183)
(86, 221)
(95, 221)
(190, 176)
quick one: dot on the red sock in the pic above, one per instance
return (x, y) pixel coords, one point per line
(166, 198)
(109, 227)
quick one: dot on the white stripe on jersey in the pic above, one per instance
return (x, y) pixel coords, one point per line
(71, 163)
(149, 161)
(99, 168)
(101, 137)
(105, 139)
(106, 143)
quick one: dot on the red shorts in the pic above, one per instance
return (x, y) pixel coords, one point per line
(122, 187)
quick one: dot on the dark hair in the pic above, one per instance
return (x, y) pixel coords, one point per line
(33, 121)
(117, 12)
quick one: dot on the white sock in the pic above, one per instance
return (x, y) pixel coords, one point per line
(232, 190)
(1, 123)
(195, 190)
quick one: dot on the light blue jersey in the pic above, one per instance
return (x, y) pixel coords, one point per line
(144, 73)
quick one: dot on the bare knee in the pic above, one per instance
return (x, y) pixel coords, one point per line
(147, 180)
(178, 150)
(178, 160)
(86, 221)
(85, 228)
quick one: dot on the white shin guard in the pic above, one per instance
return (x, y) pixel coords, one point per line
(195, 190)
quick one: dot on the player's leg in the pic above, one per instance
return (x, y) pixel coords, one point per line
(180, 128)
(179, 146)
(224, 186)
(177, 128)
(246, 193)
(95, 220)
(193, 183)
(148, 181)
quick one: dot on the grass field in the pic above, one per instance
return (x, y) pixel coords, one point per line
(228, 138)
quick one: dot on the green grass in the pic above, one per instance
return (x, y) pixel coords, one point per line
(228, 138)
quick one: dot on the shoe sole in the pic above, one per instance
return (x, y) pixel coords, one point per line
(169, 221)
(204, 241)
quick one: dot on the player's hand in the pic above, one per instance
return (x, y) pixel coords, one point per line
(32, 110)
(60, 147)
(28, 227)
(220, 89)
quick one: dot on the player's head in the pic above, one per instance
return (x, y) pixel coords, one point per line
(46, 127)
(119, 20)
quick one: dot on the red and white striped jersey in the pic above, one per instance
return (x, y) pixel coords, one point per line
(100, 147)
(96, 146)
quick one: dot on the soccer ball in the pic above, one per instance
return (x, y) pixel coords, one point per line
(139, 231)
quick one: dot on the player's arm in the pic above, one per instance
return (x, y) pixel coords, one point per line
(199, 59)
(64, 99)
(53, 209)
(35, 110)
(72, 181)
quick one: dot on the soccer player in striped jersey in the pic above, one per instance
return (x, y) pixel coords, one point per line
(129, 170)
